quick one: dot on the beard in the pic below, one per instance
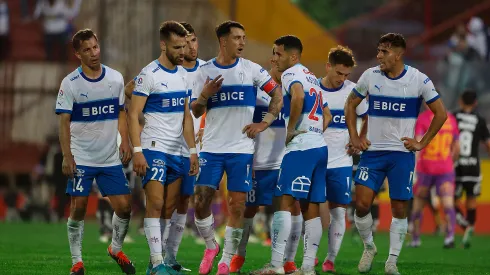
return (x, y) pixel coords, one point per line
(173, 59)
(189, 58)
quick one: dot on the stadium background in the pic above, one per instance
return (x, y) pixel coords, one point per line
(128, 32)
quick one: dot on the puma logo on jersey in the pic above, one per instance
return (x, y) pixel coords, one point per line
(378, 87)
(164, 84)
(85, 95)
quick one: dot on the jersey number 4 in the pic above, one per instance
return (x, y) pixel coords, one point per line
(318, 102)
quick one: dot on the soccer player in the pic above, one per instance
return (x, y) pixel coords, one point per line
(161, 93)
(229, 98)
(304, 166)
(335, 89)
(395, 92)
(269, 151)
(435, 169)
(473, 131)
(90, 105)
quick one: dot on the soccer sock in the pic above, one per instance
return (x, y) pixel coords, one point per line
(232, 240)
(294, 237)
(471, 216)
(153, 236)
(176, 231)
(336, 232)
(398, 230)
(416, 222)
(460, 219)
(119, 231)
(247, 227)
(75, 238)
(313, 235)
(451, 224)
(281, 228)
(206, 230)
(164, 233)
(364, 226)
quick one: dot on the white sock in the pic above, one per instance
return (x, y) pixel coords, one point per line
(206, 230)
(336, 232)
(247, 228)
(75, 238)
(176, 231)
(232, 240)
(294, 236)
(364, 226)
(119, 231)
(164, 233)
(153, 236)
(313, 235)
(398, 230)
(281, 228)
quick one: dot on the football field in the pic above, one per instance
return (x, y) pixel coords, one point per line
(42, 249)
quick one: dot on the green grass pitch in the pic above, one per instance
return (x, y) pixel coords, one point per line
(42, 249)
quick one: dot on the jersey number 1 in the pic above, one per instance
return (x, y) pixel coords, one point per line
(318, 102)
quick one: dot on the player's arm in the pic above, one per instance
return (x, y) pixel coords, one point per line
(200, 132)
(188, 125)
(69, 166)
(455, 148)
(297, 99)
(139, 162)
(275, 106)
(211, 87)
(350, 107)
(364, 127)
(327, 116)
(129, 88)
(124, 148)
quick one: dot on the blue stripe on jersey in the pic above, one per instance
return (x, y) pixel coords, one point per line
(99, 110)
(394, 107)
(60, 111)
(286, 99)
(260, 112)
(168, 102)
(233, 96)
(140, 94)
(358, 94)
(291, 84)
(432, 100)
(338, 120)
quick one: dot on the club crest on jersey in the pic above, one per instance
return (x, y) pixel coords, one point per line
(80, 173)
(301, 184)
(241, 75)
(202, 162)
(61, 93)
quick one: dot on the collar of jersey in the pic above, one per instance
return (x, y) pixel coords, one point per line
(398, 77)
(165, 69)
(192, 69)
(91, 79)
(227, 66)
(328, 89)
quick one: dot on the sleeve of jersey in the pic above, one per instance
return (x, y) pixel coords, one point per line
(428, 91)
(198, 86)
(64, 102)
(362, 86)
(288, 79)
(262, 79)
(362, 108)
(122, 96)
(324, 99)
(143, 84)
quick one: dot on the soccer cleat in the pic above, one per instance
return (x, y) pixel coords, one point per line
(290, 267)
(269, 269)
(391, 269)
(449, 245)
(162, 269)
(316, 261)
(367, 258)
(172, 262)
(77, 269)
(328, 267)
(467, 236)
(207, 261)
(223, 269)
(236, 263)
(123, 261)
(309, 271)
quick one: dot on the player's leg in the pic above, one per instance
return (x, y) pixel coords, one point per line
(473, 190)
(294, 237)
(171, 199)
(207, 181)
(421, 194)
(445, 188)
(458, 194)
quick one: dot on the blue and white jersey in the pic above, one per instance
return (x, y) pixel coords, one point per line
(394, 104)
(232, 108)
(311, 119)
(191, 79)
(94, 106)
(269, 144)
(164, 109)
(337, 136)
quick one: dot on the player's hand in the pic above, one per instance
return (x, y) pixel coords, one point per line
(253, 129)
(194, 165)
(291, 134)
(412, 144)
(211, 87)
(359, 144)
(351, 150)
(139, 164)
(69, 167)
(129, 88)
(125, 152)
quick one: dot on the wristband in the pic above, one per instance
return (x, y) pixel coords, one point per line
(269, 118)
(201, 100)
(137, 149)
(193, 151)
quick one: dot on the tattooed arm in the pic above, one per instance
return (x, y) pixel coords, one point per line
(276, 103)
(351, 119)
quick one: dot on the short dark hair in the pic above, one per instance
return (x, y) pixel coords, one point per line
(394, 39)
(224, 28)
(290, 42)
(169, 27)
(188, 27)
(341, 55)
(469, 97)
(80, 36)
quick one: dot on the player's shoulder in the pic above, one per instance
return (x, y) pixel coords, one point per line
(206, 65)
(417, 74)
(151, 68)
(73, 76)
(349, 85)
(248, 64)
(112, 73)
(373, 71)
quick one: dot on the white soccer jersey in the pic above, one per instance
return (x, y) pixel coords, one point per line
(269, 144)
(311, 119)
(164, 109)
(191, 79)
(394, 104)
(232, 108)
(337, 136)
(94, 106)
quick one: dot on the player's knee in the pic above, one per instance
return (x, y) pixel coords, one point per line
(123, 211)
(183, 204)
(362, 208)
(77, 212)
(447, 202)
(237, 208)
(250, 211)
(154, 207)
